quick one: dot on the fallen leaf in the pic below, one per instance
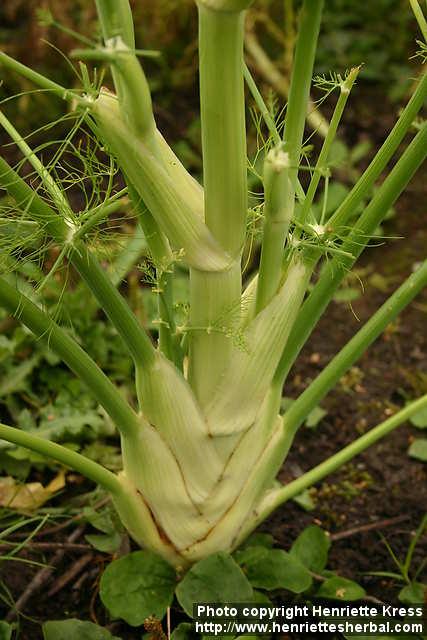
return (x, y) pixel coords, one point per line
(29, 496)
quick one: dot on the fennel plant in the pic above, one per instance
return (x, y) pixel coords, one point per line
(202, 449)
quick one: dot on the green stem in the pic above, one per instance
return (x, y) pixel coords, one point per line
(268, 119)
(321, 165)
(335, 270)
(299, 93)
(215, 297)
(280, 184)
(55, 192)
(163, 260)
(302, 72)
(214, 319)
(129, 79)
(367, 180)
(40, 80)
(97, 215)
(419, 16)
(119, 195)
(259, 101)
(67, 457)
(106, 55)
(28, 200)
(277, 191)
(352, 351)
(21, 308)
(128, 257)
(167, 329)
(225, 5)
(114, 305)
(116, 20)
(156, 239)
(223, 126)
(174, 201)
(342, 457)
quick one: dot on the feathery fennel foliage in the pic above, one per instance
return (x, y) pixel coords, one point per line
(202, 449)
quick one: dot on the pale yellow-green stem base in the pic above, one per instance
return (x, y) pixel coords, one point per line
(214, 321)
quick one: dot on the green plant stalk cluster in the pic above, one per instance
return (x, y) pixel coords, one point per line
(202, 450)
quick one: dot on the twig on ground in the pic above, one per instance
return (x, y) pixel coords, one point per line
(70, 574)
(48, 546)
(379, 524)
(42, 576)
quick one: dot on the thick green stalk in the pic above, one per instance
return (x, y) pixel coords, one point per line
(321, 167)
(116, 20)
(21, 308)
(280, 178)
(223, 126)
(419, 16)
(281, 495)
(113, 304)
(133, 92)
(165, 195)
(67, 457)
(335, 270)
(215, 297)
(277, 191)
(302, 72)
(225, 5)
(188, 185)
(214, 322)
(236, 402)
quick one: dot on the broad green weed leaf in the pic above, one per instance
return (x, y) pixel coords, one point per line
(311, 548)
(259, 540)
(419, 419)
(108, 543)
(314, 417)
(413, 593)
(249, 555)
(418, 449)
(137, 586)
(217, 578)
(74, 629)
(184, 631)
(17, 378)
(305, 500)
(274, 569)
(338, 588)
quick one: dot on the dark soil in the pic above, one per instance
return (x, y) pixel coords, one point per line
(381, 484)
